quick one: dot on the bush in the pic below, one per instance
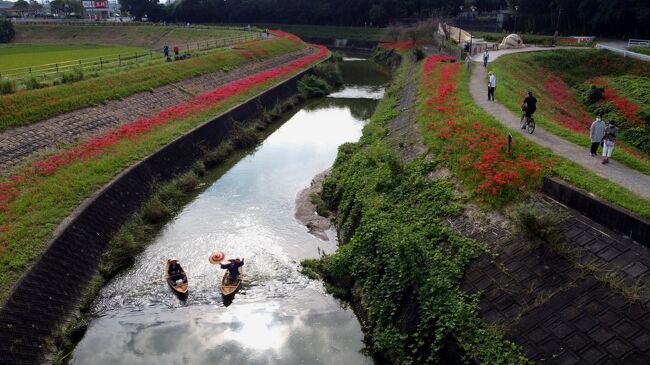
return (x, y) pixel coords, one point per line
(33, 83)
(418, 53)
(76, 74)
(7, 31)
(188, 182)
(7, 86)
(319, 203)
(539, 223)
(313, 86)
(154, 211)
(330, 72)
(593, 94)
(638, 137)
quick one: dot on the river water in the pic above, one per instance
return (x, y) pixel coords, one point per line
(279, 316)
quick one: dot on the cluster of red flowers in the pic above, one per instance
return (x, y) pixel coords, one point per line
(480, 152)
(629, 108)
(568, 111)
(99, 144)
(404, 46)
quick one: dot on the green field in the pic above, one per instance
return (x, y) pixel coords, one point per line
(149, 36)
(26, 55)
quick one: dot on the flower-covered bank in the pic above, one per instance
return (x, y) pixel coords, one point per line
(477, 152)
(34, 201)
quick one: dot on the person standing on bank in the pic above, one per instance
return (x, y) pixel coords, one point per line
(486, 57)
(492, 85)
(609, 141)
(597, 133)
(166, 51)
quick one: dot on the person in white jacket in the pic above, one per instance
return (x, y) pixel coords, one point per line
(596, 133)
(492, 85)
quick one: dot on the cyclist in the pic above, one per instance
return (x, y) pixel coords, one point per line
(529, 106)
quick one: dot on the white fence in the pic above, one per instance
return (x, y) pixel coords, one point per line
(47, 71)
(625, 53)
(638, 42)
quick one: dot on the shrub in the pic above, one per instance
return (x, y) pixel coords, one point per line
(33, 83)
(7, 31)
(154, 211)
(217, 156)
(539, 223)
(313, 86)
(321, 206)
(7, 86)
(188, 182)
(638, 136)
(418, 53)
(76, 74)
(330, 72)
(593, 94)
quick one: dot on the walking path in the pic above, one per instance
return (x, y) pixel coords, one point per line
(622, 175)
(18, 144)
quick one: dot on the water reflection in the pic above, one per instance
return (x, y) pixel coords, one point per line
(279, 316)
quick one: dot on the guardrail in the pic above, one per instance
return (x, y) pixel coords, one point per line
(638, 42)
(52, 70)
(625, 53)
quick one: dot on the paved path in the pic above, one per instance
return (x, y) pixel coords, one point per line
(21, 143)
(614, 171)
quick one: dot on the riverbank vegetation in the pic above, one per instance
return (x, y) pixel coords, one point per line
(398, 257)
(34, 201)
(28, 106)
(474, 144)
(572, 86)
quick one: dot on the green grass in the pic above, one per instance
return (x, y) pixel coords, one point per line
(34, 216)
(148, 36)
(390, 213)
(565, 169)
(28, 106)
(328, 31)
(526, 38)
(27, 55)
(518, 72)
(642, 50)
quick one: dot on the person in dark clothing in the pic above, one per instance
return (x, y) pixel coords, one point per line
(530, 106)
(175, 270)
(176, 51)
(233, 266)
(166, 51)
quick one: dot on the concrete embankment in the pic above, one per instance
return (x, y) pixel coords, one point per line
(50, 290)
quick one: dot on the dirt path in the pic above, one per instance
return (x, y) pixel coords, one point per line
(624, 176)
(21, 143)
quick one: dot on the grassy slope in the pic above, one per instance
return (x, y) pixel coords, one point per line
(565, 169)
(390, 212)
(325, 31)
(149, 36)
(518, 72)
(642, 50)
(26, 55)
(34, 216)
(28, 106)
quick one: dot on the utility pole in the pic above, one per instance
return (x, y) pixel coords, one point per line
(557, 24)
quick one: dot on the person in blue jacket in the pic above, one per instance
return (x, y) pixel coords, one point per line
(233, 266)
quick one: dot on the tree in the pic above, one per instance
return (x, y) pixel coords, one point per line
(140, 8)
(21, 6)
(7, 31)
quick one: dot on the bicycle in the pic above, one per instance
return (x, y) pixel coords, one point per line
(530, 126)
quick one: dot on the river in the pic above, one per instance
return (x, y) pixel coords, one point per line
(279, 316)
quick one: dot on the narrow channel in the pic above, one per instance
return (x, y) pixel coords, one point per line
(280, 316)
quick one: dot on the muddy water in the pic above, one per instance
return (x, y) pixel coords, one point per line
(280, 316)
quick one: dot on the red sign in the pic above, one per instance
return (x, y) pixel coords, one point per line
(101, 4)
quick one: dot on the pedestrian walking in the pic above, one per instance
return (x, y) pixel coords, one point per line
(469, 63)
(166, 51)
(492, 85)
(597, 133)
(486, 57)
(609, 141)
(176, 51)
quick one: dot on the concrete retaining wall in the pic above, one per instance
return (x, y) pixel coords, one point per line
(603, 212)
(51, 288)
(342, 43)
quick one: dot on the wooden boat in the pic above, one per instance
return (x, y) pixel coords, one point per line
(229, 289)
(179, 289)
